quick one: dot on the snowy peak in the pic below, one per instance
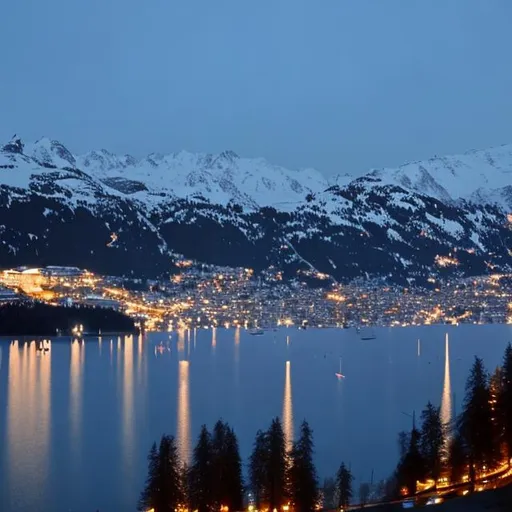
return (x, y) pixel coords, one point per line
(467, 176)
(104, 161)
(219, 179)
(226, 158)
(481, 176)
(14, 146)
(209, 208)
(50, 152)
(342, 180)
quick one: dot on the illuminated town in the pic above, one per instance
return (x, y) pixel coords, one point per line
(223, 297)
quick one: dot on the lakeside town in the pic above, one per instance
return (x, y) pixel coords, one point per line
(208, 296)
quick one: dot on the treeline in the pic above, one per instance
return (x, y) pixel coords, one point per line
(278, 478)
(36, 318)
(476, 442)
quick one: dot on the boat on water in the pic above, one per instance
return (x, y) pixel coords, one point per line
(256, 332)
(339, 375)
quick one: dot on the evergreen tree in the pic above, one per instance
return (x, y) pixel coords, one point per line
(505, 401)
(475, 423)
(277, 466)
(344, 481)
(411, 467)
(404, 440)
(171, 489)
(304, 482)
(219, 465)
(148, 497)
(201, 478)
(258, 469)
(432, 441)
(233, 472)
(185, 483)
(457, 458)
(496, 392)
(164, 491)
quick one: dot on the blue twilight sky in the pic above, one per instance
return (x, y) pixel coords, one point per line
(340, 85)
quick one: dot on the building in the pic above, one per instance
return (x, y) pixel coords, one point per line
(28, 279)
(101, 302)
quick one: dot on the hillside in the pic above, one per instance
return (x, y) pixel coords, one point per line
(122, 216)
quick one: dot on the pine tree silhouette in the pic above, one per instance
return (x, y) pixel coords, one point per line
(201, 477)
(412, 467)
(148, 497)
(277, 467)
(457, 458)
(164, 491)
(258, 469)
(344, 481)
(219, 463)
(432, 441)
(227, 468)
(234, 473)
(303, 478)
(475, 422)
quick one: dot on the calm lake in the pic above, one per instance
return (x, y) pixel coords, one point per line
(76, 422)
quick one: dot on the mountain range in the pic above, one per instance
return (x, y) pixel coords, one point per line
(120, 215)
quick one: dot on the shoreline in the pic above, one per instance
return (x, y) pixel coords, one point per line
(265, 329)
(62, 337)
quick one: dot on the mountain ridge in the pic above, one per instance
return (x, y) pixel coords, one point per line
(214, 209)
(448, 178)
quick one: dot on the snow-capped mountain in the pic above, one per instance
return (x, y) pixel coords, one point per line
(479, 176)
(404, 224)
(220, 179)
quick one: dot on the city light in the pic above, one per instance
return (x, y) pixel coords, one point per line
(236, 297)
(445, 261)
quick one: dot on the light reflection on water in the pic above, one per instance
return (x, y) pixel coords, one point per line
(446, 399)
(214, 337)
(237, 355)
(71, 422)
(28, 423)
(287, 417)
(183, 417)
(181, 340)
(128, 397)
(140, 345)
(76, 396)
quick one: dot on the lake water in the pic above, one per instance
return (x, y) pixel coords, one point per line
(76, 422)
